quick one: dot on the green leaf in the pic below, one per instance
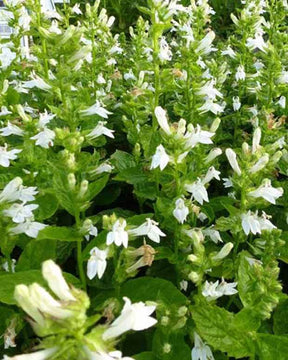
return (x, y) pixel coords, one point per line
(61, 233)
(35, 253)
(280, 318)
(96, 187)
(220, 329)
(123, 160)
(48, 205)
(147, 355)
(153, 289)
(272, 347)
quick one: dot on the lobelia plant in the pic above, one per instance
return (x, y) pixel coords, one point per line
(152, 165)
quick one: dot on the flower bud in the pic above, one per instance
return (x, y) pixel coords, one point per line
(260, 164)
(231, 156)
(164, 320)
(214, 126)
(71, 181)
(192, 258)
(225, 251)
(83, 188)
(22, 113)
(194, 277)
(245, 148)
(212, 155)
(276, 157)
(256, 140)
(182, 311)
(167, 348)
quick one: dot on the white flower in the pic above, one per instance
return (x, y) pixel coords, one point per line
(104, 167)
(11, 129)
(118, 235)
(266, 224)
(45, 118)
(198, 191)
(133, 317)
(92, 231)
(229, 51)
(225, 251)
(267, 192)
(231, 156)
(257, 43)
(99, 130)
(181, 211)
(211, 174)
(20, 212)
(209, 105)
(27, 193)
(37, 355)
(260, 164)
(54, 28)
(150, 229)
(4, 111)
(129, 76)
(165, 54)
(183, 285)
(6, 57)
(100, 79)
(161, 117)
(213, 234)
(76, 9)
(201, 351)
(10, 192)
(254, 224)
(37, 82)
(204, 46)
(256, 140)
(212, 155)
(5, 266)
(236, 103)
(227, 182)
(113, 355)
(6, 156)
(283, 79)
(160, 158)
(30, 228)
(97, 263)
(240, 73)
(213, 291)
(282, 102)
(209, 91)
(44, 138)
(198, 136)
(96, 109)
(53, 275)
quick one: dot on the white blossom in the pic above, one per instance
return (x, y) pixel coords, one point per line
(204, 46)
(99, 130)
(227, 182)
(104, 167)
(267, 192)
(37, 82)
(213, 291)
(11, 129)
(97, 263)
(198, 191)
(256, 140)
(118, 235)
(97, 109)
(30, 228)
(4, 111)
(181, 211)
(240, 73)
(283, 78)
(254, 224)
(6, 156)
(150, 229)
(256, 43)
(6, 57)
(195, 136)
(229, 51)
(212, 155)
(161, 117)
(231, 156)
(165, 54)
(45, 118)
(133, 317)
(76, 9)
(236, 103)
(213, 234)
(225, 251)
(201, 351)
(212, 173)
(54, 28)
(6, 267)
(129, 76)
(10, 192)
(160, 158)
(282, 102)
(44, 138)
(20, 212)
(260, 164)
(183, 285)
(209, 105)
(208, 90)
(113, 355)
(37, 355)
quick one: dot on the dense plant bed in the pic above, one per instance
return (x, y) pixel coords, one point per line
(143, 179)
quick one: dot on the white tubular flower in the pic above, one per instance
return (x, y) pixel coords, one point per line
(282, 102)
(209, 105)
(6, 57)
(147, 255)
(208, 90)
(198, 191)
(250, 223)
(165, 54)
(20, 212)
(240, 74)
(11, 129)
(225, 251)
(54, 277)
(76, 9)
(229, 51)
(267, 192)
(6, 156)
(118, 235)
(204, 46)
(211, 174)
(256, 140)
(260, 164)
(30, 228)
(227, 182)
(10, 192)
(97, 263)
(133, 317)
(160, 158)
(181, 211)
(236, 103)
(256, 43)
(46, 304)
(99, 130)
(4, 111)
(201, 351)
(266, 224)
(38, 355)
(198, 136)
(213, 234)
(97, 109)
(45, 118)
(231, 156)
(44, 138)
(213, 291)
(26, 194)
(212, 155)
(150, 229)
(161, 117)
(113, 355)
(104, 167)
(37, 82)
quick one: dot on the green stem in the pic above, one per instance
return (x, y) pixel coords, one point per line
(79, 256)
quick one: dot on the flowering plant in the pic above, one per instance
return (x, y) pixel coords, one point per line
(152, 165)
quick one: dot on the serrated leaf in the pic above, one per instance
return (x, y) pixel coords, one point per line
(123, 160)
(272, 347)
(48, 205)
